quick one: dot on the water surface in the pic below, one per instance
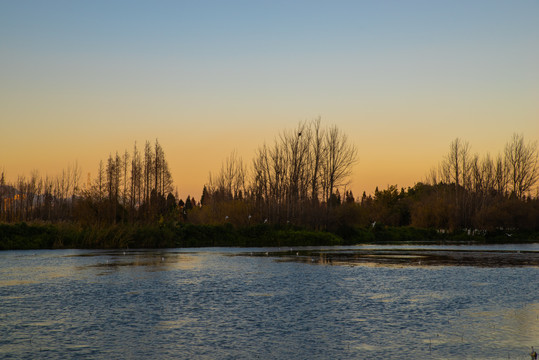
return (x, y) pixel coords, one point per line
(305, 303)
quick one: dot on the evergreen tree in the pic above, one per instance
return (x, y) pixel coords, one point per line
(205, 198)
(349, 197)
(188, 203)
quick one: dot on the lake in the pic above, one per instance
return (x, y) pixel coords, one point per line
(358, 302)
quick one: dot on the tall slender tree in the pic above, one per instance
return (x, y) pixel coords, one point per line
(522, 162)
(339, 159)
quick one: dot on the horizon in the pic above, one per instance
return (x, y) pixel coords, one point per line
(87, 179)
(81, 80)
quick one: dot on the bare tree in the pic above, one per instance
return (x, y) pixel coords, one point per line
(432, 176)
(501, 175)
(488, 174)
(339, 159)
(295, 146)
(31, 189)
(148, 166)
(270, 173)
(261, 178)
(136, 181)
(299, 164)
(229, 183)
(3, 191)
(100, 182)
(456, 166)
(157, 166)
(316, 157)
(125, 168)
(167, 185)
(522, 165)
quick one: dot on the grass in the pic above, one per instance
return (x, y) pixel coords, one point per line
(24, 236)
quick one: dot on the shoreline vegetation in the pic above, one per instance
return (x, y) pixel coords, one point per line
(41, 236)
(294, 193)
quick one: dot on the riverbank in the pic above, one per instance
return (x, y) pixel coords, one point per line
(23, 236)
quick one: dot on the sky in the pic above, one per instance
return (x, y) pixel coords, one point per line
(82, 79)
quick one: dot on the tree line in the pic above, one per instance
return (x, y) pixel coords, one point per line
(301, 178)
(134, 187)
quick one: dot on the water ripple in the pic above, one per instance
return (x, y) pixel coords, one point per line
(227, 304)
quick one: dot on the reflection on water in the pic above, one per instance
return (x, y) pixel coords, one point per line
(374, 302)
(409, 256)
(510, 325)
(154, 261)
